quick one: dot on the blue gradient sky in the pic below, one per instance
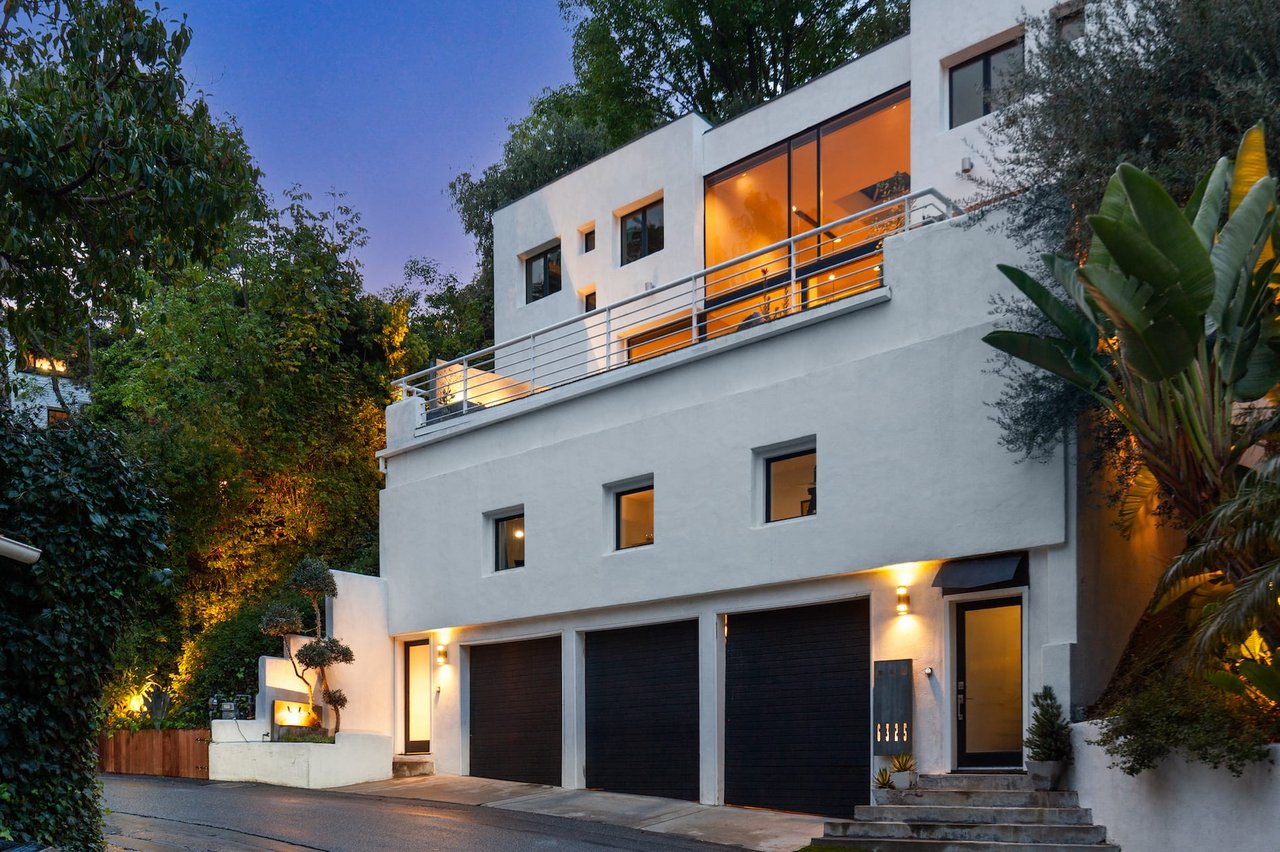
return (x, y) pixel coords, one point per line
(386, 101)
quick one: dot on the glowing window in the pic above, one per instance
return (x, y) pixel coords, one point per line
(509, 538)
(791, 485)
(634, 513)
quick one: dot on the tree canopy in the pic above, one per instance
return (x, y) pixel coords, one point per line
(111, 171)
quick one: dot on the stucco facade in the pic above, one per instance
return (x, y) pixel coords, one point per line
(888, 387)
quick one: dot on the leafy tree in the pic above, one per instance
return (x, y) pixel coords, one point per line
(545, 145)
(443, 318)
(256, 385)
(108, 167)
(1166, 86)
(76, 494)
(657, 59)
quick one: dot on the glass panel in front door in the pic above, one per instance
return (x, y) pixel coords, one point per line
(992, 686)
(418, 694)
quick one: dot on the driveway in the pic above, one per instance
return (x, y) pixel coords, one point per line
(167, 814)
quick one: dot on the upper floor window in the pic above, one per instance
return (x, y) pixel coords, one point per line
(976, 85)
(642, 232)
(589, 241)
(542, 274)
(791, 485)
(509, 542)
(1069, 19)
(634, 527)
(589, 301)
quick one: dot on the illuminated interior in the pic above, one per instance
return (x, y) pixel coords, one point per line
(510, 542)
(635, 518)
(792, 485)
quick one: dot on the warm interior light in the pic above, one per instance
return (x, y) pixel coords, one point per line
(442, 654)
(519, 533)
(295, 713)
(904, 601)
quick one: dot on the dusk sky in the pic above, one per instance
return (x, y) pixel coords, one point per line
(386, 101)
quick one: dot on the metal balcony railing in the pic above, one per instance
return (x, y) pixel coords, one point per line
(833, 261)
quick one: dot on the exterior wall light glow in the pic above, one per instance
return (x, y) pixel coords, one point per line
(442, 653)
(904, 601)
(295, 713)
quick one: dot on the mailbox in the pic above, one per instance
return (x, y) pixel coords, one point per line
(892, 707)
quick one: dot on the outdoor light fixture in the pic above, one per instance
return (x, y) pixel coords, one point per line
(904, 601)
(442, 653)
(294, 713)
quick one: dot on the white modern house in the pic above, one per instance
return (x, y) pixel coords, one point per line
(30, 380)
(724, 515)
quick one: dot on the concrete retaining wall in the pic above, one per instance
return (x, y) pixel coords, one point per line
(1179, 805)
(235, 755)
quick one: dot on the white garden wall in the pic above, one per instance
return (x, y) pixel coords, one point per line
(1179, 805)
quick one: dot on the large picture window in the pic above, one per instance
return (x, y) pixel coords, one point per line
(542, 274)
(848, 164)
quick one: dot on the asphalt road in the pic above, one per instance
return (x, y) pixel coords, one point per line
(155, 814)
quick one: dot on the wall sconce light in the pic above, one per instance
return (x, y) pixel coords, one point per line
(294, 713)
(904, 601)
(442, 653)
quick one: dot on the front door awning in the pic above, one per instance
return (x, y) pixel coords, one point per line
(982, 572)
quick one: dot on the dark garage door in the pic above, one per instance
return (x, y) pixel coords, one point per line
(797, 709)
(642, 710)
(515, 711)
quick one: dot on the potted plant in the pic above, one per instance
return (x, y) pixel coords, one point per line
(1048, 741)
(902, 769)
(883, 779)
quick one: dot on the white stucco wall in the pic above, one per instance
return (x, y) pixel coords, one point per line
(352, 758)
(1179, 805)
(358, 616)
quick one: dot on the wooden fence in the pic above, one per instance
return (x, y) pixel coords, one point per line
(177, 754)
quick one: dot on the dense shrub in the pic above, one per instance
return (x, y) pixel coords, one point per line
(75, 494)
(1175, 712)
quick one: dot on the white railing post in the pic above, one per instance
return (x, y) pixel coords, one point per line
(533, 359)
(693, 311)
(466, 378)
(795, 291)
(608, 338)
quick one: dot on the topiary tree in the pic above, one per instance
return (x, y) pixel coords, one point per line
(314, 581)
(79, 497)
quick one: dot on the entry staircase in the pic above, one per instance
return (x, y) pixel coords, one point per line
(970, 813)
(412, 765)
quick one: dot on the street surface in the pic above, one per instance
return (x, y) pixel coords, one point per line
(160, 814)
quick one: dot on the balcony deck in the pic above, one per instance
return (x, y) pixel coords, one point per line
(834, 261)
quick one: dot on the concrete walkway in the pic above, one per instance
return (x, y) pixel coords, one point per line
(748, 828)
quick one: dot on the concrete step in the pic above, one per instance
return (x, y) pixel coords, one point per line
(969, 814)
(911, 845)
(412, 765)
(991, 832)
(979, 798)
(977, 781)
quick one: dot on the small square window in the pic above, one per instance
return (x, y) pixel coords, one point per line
(634, 518)
(642, 232)
(57, 416)
(589, 241)
(589, 302)
(1071, 24)
(542, 274)
(791, 485)
(977, 86)
(509, 540)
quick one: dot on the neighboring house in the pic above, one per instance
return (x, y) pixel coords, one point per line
(725, 513)
(30, 382)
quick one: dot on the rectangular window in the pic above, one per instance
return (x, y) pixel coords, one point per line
(509, 540)
(1071, 24)
(589, 302)
(977, 86)
(57, 417)
(542, 274)
(642, 232)
(589, 241)
(634, 515)
(791, 485)
(850, 163)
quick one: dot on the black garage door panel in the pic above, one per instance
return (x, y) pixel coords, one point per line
(642, 710)
(798, 709)
(516, 711)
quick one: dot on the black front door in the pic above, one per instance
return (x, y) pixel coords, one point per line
(988, 696)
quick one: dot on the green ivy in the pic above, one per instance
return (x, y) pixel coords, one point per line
(75, 494)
